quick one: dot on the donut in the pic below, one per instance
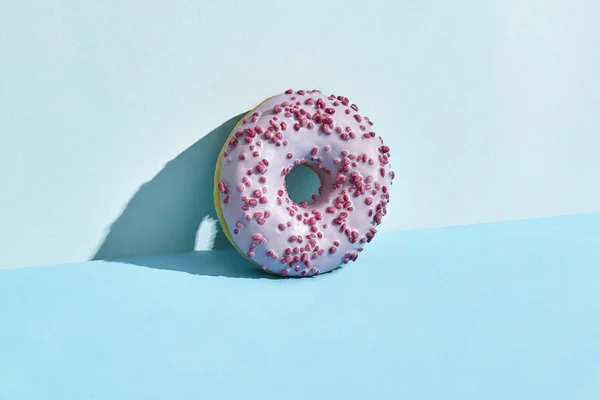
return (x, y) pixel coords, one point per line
(326, 134)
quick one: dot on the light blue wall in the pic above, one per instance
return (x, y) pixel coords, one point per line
(491, 109)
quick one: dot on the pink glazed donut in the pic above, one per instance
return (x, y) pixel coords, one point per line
(327, 134)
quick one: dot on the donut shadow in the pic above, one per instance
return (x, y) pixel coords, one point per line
(215, 263)
(164, 215)
(158, 227)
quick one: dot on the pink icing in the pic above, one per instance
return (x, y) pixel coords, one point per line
(328, 134)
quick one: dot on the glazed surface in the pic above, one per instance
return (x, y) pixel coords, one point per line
(328, 134)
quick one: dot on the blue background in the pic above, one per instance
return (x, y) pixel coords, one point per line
(493, 311)
(111, 117)
(110, 110)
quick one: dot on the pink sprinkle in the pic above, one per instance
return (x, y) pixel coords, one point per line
(332, 250)
(283, 126)
(289, 91)
(281, 227)
(314, 151)
(227, 199)
(277, 108)
(257, 193)
(310, 125)
(240, 188)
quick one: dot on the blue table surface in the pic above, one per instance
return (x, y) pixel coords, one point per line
(494, 311)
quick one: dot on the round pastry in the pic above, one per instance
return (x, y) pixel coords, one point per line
(327, 134)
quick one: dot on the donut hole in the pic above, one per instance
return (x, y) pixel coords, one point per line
(302, 183)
